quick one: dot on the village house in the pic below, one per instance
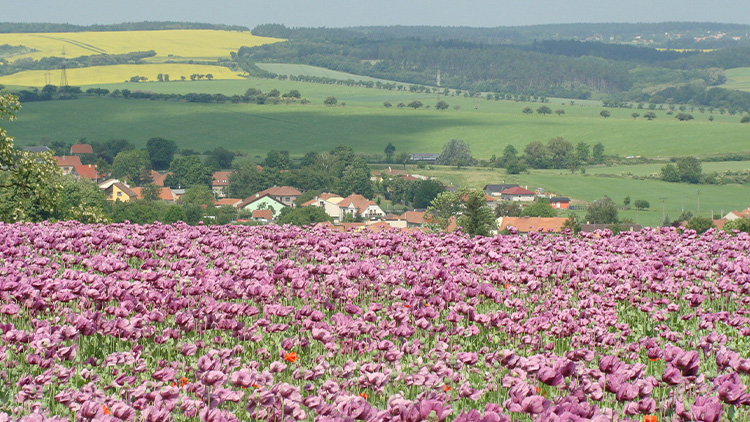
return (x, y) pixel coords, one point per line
(220, 183)
(87, 171)
(114, 190)
(263, 216)
(264, 201)
(531, 224)
(358, 204)
(68, 163)
(164, 193)
(735, 215)
(284, 194)
(559, 202)
(517, 193)
(232, 202)
(158, 178)
(330, 204)
(81, 149)
(494, 190)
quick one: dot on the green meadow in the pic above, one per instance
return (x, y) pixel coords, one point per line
(738, 78)
(715, 200)
(363, 122)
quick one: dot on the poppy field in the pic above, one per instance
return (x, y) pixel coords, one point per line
(226, 323)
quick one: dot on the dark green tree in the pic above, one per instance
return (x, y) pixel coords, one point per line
(602, 211)
(582, 152)
(415, 104)
(278, 159)
(700, 224)
(572, 224)
(560, 152)
(425, 191)
(133, 165)
(536, 155)
(219, 159)
(457, 153)
(302, 216)
(650, 115)
(690, 169)
(605, 113)
(508, 209)
(597, 153)
(539, 209)
(626, 201)
(669, 173)
(188, 171)
(641, 204)
(161, 151)
(477, 218)
(544, 110)
(389, 151)
(527, 110)
(441, 105)
(330, 101)
(198, 195)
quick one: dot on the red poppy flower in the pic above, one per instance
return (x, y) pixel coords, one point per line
(650, 418)
(446, 388)
(363, 395)
(105, 410)
(291, 357)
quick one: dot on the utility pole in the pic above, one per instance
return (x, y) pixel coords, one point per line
(663, 214)
(699, 202)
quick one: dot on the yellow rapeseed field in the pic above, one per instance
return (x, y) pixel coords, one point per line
(116, 74)
(173, 44)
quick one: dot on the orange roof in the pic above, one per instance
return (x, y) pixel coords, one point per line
(165, 194)
(88, 171)
(326, 196)
(158, 178)
(529, 224)
(719, 224)
(280, 191)
(517, 191)
(81, 149)
(221, 178)
(68, 160)
(359, 202)
(413, 217)
(310, 202)
(228, 201)
(263, 214)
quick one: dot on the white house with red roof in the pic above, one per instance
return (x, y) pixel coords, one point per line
(356, 203)
(220, 183)
(284, 194)
(517, 193)
(68, 163)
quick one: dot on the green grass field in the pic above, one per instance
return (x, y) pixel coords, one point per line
(738, 78)
(488, 126)
(719, 199)
(649, 169)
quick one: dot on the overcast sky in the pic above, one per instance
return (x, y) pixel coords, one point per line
(341, 13)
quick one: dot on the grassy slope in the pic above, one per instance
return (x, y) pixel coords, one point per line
(590, 187)
(363, 123)
(738, 78)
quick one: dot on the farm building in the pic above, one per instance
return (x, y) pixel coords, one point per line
(560, 202)
(517, 194)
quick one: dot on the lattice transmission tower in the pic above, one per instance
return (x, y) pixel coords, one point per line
(63, 73)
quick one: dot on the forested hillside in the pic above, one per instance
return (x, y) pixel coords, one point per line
(512, 60)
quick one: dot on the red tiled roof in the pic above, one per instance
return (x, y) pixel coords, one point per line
(280, 191)
(359, 202)
(81, 149)
(263, 214)
(165, 194)
(158, 178)
(88, 171)
(413, 217)
(529, 224)
(221, 178)
(517, 191)
(126, 190)
(250, 199)
(719, 224)
(68, 160)
(310, 202)
(227, 201)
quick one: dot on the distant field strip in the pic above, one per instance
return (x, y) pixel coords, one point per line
(117, 74)
(320, 72)
(193, 43)
(738, 78)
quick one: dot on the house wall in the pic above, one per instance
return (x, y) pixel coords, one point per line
(269, 203)
(119, 195)
(560, 205)
(518, 198)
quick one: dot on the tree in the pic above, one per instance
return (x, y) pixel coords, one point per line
(198, 195)
(508, 209)
(457, 153)
(29, 188)
(303, 216)
(740, 224)
(536, 155)
(527, 110)
(572, 224)
(605, 113)
(442, 105)
(669, 173)
(278, 160)
(635, 115)
(248, 179)
(689, 169)
(161, 151)
(389, 151)
(403, 158)
(700, 224)
(560, 152)
(597, 153)
(415, 104)
(582, 152)
(477, 218)
(650, 115)
(188, 171)
(745, 119)
(641, 204)
(443, 208)
(425, 191)
(80, 200)
(539, 209)
(543, 110)
(356, 179)
(134, 165)
(559, 112)
(387, 104)
(602, 211)
(218, 159)
(626, 201)
(331, 101)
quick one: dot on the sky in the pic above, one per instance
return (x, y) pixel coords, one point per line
(343, 13)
